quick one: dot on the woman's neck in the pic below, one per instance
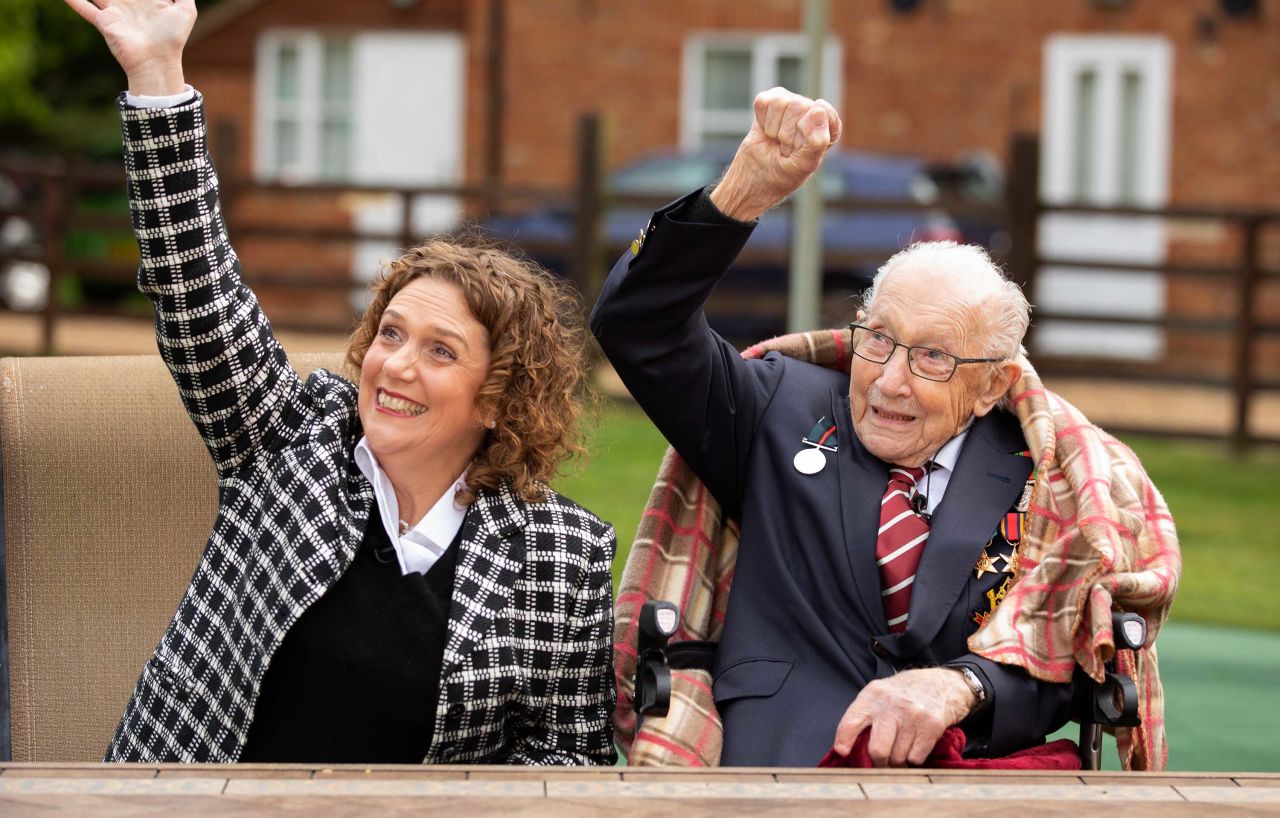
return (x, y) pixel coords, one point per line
(417, 488)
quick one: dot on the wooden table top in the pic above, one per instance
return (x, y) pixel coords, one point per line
(48, 789)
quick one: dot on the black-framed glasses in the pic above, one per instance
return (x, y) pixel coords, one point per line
(924, 362)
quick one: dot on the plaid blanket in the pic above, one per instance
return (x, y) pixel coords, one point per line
(1098, 535)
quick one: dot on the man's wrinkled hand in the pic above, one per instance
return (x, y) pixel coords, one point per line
(906, 714)
(790, 135)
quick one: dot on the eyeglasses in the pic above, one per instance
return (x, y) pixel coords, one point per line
(924, 362)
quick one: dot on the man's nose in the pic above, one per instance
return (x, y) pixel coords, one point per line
(895, 378)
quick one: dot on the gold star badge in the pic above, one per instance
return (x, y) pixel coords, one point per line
(984, 566)
(1010, 562)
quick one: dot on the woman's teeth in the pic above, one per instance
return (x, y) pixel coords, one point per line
(404, 407)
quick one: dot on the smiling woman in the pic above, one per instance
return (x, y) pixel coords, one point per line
(389, 578)
(493, 344)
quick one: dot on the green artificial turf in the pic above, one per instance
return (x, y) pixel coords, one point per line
(1220, 699)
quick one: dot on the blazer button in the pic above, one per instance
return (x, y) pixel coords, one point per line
(456, 710)
(878, 649)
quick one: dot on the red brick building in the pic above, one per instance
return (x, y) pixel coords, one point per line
(1145, 102)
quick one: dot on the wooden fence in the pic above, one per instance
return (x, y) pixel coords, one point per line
(55, 190)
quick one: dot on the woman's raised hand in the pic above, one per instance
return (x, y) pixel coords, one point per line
(146, 37)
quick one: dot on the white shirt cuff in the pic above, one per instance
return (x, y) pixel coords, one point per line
(144, 101)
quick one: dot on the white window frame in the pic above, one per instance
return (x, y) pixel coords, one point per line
(765, 48)
(309, 113)
(1111, 56)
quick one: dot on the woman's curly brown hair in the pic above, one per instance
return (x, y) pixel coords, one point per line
(534, 389)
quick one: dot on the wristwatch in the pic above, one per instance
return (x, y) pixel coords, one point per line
(975, 684)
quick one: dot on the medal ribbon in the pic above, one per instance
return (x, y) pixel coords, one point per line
(823, 435)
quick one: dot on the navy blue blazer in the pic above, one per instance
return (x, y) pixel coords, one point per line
(805, 628)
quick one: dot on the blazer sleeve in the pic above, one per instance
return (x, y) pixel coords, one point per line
(232, 375)
(574, 725)
(704, 398)
(1021, 712)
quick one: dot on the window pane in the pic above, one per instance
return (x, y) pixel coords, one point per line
(1130, 134)
(286, 144)
(726, 79)
(335, 84)
(790, 73)
(335, 149)
(1086, 119)
(287, 72)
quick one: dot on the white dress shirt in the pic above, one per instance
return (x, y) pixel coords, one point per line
(420, 547)
(934, 484)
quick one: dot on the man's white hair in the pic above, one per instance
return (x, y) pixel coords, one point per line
(1003, 306)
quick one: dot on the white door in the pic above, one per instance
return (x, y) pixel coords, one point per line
(1105, 142)
(408, 131)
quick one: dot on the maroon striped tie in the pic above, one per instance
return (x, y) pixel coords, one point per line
(899, 545)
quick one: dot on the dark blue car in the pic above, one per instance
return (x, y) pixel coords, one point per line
(750, 302)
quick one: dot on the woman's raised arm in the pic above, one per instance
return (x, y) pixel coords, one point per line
(232, 374)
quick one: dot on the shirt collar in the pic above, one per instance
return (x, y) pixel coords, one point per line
(947, 456)
(435, 531)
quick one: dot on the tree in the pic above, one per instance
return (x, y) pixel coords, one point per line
(58, 82)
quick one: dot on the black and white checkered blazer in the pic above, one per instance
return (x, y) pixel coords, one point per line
(527, 676)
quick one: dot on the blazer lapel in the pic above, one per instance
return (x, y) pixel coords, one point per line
(863, 478)
(490, 560)
(988, 478)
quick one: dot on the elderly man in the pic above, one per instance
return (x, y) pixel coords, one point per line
(867, 499)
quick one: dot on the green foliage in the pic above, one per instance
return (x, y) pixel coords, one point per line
(57, 81)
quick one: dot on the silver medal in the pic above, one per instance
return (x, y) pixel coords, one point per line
(810, 460)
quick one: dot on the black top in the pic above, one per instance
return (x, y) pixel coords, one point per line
(356, 679)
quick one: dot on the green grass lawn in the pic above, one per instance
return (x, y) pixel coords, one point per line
(1223, 509)
(1225, 512)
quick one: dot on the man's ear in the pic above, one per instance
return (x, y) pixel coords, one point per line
(1006, 375)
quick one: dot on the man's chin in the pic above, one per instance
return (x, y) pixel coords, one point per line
(888, 447)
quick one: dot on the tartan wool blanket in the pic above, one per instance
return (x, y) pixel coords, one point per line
(1098, 534)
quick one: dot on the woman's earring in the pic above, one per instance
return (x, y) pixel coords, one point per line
(492, 424)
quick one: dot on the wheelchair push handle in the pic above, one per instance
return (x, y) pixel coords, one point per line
(1114, 701)
(659, 621)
